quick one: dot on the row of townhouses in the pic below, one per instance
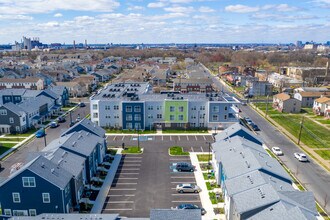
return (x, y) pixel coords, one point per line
(135, 106)
(254, 185)
(53, 182)
(21, 109)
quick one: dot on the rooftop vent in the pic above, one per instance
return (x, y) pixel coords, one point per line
(52, 170)
(247, 164)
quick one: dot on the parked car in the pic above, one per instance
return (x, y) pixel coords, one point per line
(244, 103)
(184, 167)
(61, 119)
(301, 157)
(40, 133)
(78, 118)
(191, 206)
(190, 188)
(81, 104)
(255, 127)
(53, 124)
(277, 151)
(248, 120)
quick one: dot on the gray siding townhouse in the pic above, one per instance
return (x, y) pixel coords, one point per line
(12, 119)
(63, 92)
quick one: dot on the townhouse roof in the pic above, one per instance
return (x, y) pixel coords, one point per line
(236, 129)
(282, 96)
(314, 94)
(322, 100)
(84, 79)
(59, 90)
(20, 80)
(240, 156)
(68, 84)
(12, 92)
(193, 80)
(14, 108)
(175, 214)
(103, 72)
(71, 216)
(254, 179)
(313, 89)
(34, 103)
(88, 126)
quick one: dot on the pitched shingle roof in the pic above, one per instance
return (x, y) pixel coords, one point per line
(86, 125)
(175, 214)
(322, 100)
(282, 96)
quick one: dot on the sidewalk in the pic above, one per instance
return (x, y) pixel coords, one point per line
(204, 194)
(155, 134)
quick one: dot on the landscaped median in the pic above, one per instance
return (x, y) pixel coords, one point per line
(177, 151)
(132, 150)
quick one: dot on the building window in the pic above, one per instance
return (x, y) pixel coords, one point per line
(193, 108)
(171, 117)
(159, 116)
(137, 126)
(3, 112)
(150, 116)
(150, 107)
(11, 120)
(137, 109)
(129, 117)
(45, 198)
(16, 198)
(94, 107)
(159, 107)
(180, 117)
(129, 126)
(215, 117)
(137, 117)
(107, 107)
(128, 108)
(29, 182)
(95, 115)
(181, 109)
(202, 108)
(193, 117)
(116, 107)
(225, 117)
(226, 108)
(172, 108)
(33, 212)
(215, 109)
(7, 212)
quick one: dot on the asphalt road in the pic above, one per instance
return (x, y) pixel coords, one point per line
(314, 178)
(27, 152)
(145, 181)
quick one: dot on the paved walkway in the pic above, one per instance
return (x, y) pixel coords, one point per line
(171, 134)
(317, 122)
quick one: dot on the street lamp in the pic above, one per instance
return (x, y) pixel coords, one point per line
(209, 160)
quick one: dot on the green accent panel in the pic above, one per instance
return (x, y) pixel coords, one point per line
(176, 104)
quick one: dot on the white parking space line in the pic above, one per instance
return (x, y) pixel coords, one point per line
(179, 138)
(122, 138)
(183, 182)
(202, 149)
(115, 202)
(116, 189)
(129, 173)
(130, 169)
(183, 159)
(114, 138)
(129, 165)
(120, 195)
(192, 149)
(170, 137)
(185, 194)
(204, 137)
(129, 157)
(186, 201)
(187, 138)
(132, 161)
(162, 138)
(117, 209)
(196, 137)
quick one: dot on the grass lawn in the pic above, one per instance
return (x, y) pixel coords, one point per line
(26, 134)
(184, 131)
(66, 108)
(206, 176)
(239, 88)
(203, 157)
(325, 154)
(6, 146)
(205, 166)
(132, 150)
(270, 153)
(177, 151)
(214, 198)
(117, 131)
(17, 139)
(323, 121)
(112, 151)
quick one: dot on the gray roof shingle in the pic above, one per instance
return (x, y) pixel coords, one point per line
(175, 214)
(87, 125)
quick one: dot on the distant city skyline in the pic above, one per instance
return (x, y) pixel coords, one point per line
(165, 21)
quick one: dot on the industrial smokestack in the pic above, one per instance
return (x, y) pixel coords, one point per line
(86, 44)
(74, 44)
(327, 69)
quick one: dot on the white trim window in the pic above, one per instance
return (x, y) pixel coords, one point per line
(7, 212)
(29, 182)
(3, 112)
(11, 120)
(45, 198)
(33, 212)
(16, 197)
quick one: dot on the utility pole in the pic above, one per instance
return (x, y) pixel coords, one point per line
(45, 138)
(301, 126)
(138, 139)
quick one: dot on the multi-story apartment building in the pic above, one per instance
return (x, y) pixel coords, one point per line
(135, 106)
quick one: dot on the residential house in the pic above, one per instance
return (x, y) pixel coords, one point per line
(307, 98)
(88, 126)
(322, 106)
(13, 119)
(159, 78)
(243, 79)
(284, 103)
(27, 83)
(282, 81)
(259, 88)
(193, 85)
(311, 89)
(89, 81)
(63, 92)
(75, 89)
(40, 186)
(103, 75)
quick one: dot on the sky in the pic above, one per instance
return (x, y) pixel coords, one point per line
(165, 21)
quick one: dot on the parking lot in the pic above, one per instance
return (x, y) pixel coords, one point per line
(147, 180)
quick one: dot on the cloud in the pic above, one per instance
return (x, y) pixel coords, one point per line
(44, 6)
(322, 3)
(241, 9)
(179, 9)
(135, 8)
(281, 17)
(156, 5)
(58, 15)
(280, 7)
(204, 9)
(15, 17)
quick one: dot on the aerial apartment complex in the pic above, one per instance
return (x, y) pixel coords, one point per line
(135, 106)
